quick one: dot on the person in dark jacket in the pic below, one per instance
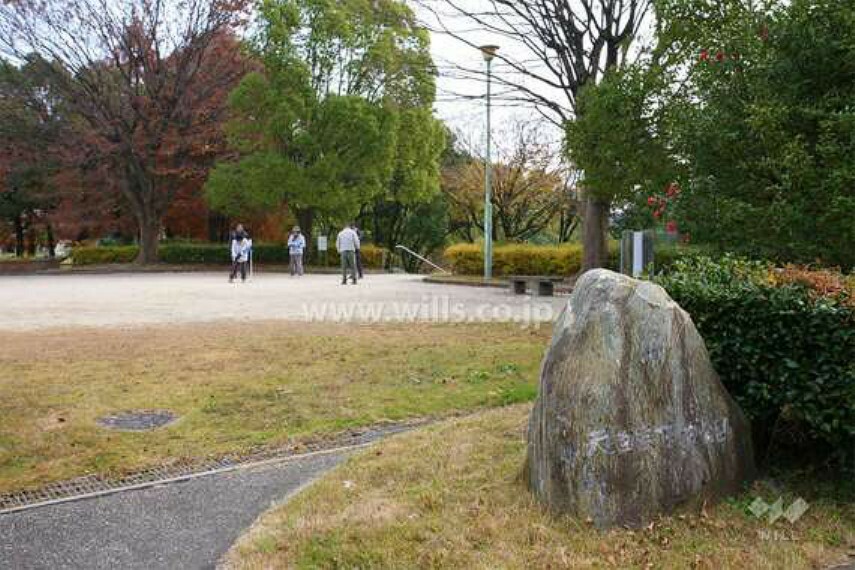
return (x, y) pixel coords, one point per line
(358, 252)
(240, 246)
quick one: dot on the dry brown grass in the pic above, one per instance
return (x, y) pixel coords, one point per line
(450, 497)
(238, 386)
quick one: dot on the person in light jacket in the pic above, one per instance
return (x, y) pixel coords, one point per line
(296, 247)
(240, 253)
(347, 243)
(358, 253)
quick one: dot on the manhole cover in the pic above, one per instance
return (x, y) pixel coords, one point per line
(138, 420)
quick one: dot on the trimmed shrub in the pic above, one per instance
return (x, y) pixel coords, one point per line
(823, 283)
(205, 253)
(516, 259)
(372, 257)
(523, 259)
(665, 255)
(784, 352)
(102, 255)
(179, 253)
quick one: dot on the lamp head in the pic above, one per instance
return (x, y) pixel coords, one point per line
(489, 52)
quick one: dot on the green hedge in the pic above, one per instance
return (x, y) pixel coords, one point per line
(102, 255)
(665, 255)
(784, 352)
(372, 257)
(468, 259)
(211, 254)
(522, 259)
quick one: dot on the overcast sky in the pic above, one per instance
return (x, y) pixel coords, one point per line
(461, 101)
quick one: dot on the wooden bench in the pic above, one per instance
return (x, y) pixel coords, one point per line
(540, 285)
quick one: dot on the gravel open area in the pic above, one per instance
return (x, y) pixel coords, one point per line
(43, 301)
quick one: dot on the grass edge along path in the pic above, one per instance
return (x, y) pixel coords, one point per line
(238, 388)
(450, 496)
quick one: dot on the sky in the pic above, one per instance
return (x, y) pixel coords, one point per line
(461, 102)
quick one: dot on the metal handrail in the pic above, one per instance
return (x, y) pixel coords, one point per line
(428, 261)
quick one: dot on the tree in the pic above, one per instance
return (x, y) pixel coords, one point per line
(748, 108)
(530, 187)
(568, 44)
(147, 77)
(619, 137)
(328, 162)
(339, 119)
(32, 121)
(769, 155)
(410, 210)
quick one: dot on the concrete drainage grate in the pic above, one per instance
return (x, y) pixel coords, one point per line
(98, 484)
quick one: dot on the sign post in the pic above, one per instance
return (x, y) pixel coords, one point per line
(322, 247)
(636, 252)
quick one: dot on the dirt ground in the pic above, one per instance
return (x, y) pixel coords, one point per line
(120, 300)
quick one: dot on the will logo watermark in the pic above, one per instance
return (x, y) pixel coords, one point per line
(774, 512)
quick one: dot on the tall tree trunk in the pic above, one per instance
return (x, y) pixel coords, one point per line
(51, 242)
(595, 243)
(141, 192)
(306, 219)
(218, 227)
(149, 228)
(32, 239)
(19, 236)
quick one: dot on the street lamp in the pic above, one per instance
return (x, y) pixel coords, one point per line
(489, 52)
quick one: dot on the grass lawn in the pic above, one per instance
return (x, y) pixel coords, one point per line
(238, 386)
(450, 496)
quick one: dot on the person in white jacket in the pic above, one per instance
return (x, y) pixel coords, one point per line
(296, 247)
(346, 244)
(240, 247)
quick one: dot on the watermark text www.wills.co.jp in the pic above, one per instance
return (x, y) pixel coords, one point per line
(433, 309)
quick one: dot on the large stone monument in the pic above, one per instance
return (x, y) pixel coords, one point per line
(631, 419)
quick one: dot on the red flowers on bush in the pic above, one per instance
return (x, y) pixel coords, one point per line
(659, 205)
(672, 190)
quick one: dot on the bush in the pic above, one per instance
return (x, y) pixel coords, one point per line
(523, 259)
(665, 255)
(372, 257)
(517, 259)
(208, 253)
(179, 253)
(783, 351)
(822, 283)
(101, 255)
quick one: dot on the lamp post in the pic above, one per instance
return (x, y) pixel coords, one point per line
(489, 52)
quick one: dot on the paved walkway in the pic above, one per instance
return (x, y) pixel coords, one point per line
(42, 301)
(187, 525)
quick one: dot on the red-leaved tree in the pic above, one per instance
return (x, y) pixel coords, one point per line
(148, 79)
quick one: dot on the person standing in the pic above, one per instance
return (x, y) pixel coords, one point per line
(347, 244)
(240, 253)
(358, 253)
(296, 247)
